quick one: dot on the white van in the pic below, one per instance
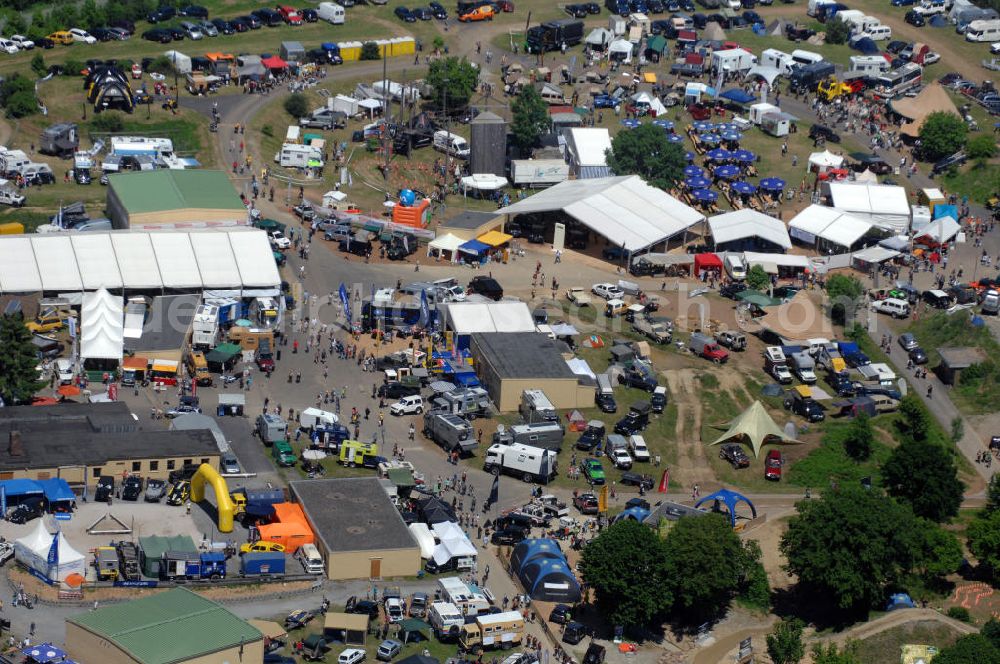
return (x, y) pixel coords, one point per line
(894, 307)
(735, 267)
(780, 60)
(983, 31)
(312, 561)
(330, 12)
(452, 144)
(878, 33)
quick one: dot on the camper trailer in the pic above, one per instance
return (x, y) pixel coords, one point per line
(60, 140)
(293, 155)
(869, 65)
(983, 31)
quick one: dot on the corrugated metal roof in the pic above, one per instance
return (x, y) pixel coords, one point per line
(173, 626)
(169, 189)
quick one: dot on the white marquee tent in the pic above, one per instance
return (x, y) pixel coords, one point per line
(884, 205)
(825, 160)
(630, 213)
(818, 222)
(425, 539)
(32, 551)
(102, 326)
(940, 230)
(586, 150)
(477, 317)
(230, 258)
(747, 224)
(453, 543)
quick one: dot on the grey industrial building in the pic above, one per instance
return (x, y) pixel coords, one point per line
(488, 147)
(359, 532)
(508, 363)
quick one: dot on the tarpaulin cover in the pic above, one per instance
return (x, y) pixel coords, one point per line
(474, 247)
(738, 95)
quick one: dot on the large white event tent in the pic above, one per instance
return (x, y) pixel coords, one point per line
(33, 551)
(630, 213)
(221, 258)
(884, 205)
(747, 226)
(102, 324)
(818, 222)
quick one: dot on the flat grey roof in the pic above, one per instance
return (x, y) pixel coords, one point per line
(961, 358)
(167, 325)
(90, 434)
(352, 514)
(469, 220)
(523, 354)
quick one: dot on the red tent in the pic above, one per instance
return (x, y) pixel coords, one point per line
(274, 62)
(706, 262)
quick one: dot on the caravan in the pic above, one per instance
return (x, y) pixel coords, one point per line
(983, 31)
(293, 155)
(869, 65)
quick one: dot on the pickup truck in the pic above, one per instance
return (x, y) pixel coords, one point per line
(278, 240)
(658, 332)
(322, 119)
(732, 340)
(578, 296)
(706, 347)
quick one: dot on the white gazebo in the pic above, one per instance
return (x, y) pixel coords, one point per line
(820, 162)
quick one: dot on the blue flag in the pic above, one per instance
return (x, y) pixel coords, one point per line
(425, 310)
(346, 301)
(495, 489)
(3, 502)
(53, 559)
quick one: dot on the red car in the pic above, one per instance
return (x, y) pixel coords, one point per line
(290, 15)
(772, 466)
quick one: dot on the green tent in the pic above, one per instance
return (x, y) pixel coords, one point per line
(223, 354)
(657, 44)
(758, 298)
(755, 426)
(410, 627)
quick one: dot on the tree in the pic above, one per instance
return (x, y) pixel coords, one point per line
(626, 565)
(982, 147)
(830, 655)
(369, 51)
(992, 495)
(784, 644)
(530, 118)
(984, 541)
(707, 563)
(757, 278)
(845, 293)
(860, 438)
(646, 152)
(18, 372)
(914, 422)
(969, 649)
(991, 630)
(941, 135)
(937, 552)
(925, 475)
(296, 105)
(849, 545)
(17, 82)
(837, 32)
(453, 81)
(38, 65)
(108, 122)
(21, 105)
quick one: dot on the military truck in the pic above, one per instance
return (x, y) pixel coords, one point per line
(450, 432)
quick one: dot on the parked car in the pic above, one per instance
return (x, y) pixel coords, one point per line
(732, 289)
(30, 508)
(576, 11)
(586, 503)
(409, 405)
(262, 546)
(608, 291)
(194, 11)
(637, 479)
(155, 490)
(734, 454)
(509, 536)
(486, 286)
(438, 10)
(132, 488)
(772, 465)
(917, 355)
(388, 649)
(818, 131)
(560, 614)
(404, 14)
(593, 471)
(915, 18)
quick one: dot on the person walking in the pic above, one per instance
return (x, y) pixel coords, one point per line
(413, 431)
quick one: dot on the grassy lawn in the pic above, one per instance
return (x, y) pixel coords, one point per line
(977, 181)
(828, 462)
(884, 647)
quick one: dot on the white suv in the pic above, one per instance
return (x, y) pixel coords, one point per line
(22, 42)
(81, 35)
(638, 446)
(8, 47)
(408, 405)
(351, 656)
(608, 291)
(279, 240)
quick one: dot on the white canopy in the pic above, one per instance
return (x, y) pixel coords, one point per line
(102, 326)
(941, 230)
(32, 551)
(599, 37)
(475, 317)
(624, 209)
(875, 254)
(484, 182)
(235, 257)
(769, 74)
(832, 225)
(372, 104)
(867, 176)
(424, 538)
(883, 205)
(745, 224)
(621, 46)
(453, 543)
(588, 146)
(580, 367)
(446, 242)
(825, 159)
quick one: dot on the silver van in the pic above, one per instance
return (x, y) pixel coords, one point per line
(312, 561)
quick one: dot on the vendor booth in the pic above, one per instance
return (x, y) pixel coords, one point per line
(50, 557)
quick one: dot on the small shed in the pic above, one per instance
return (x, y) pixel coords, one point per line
(152, 548)
(232, 404)
(293, 51)
(349, 628)
(954, 360)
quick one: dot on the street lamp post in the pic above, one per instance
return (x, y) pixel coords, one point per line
(447, 128)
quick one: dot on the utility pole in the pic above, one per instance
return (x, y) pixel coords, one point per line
(447, 128)
(386, 108)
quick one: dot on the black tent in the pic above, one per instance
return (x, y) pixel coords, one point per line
(434, 510)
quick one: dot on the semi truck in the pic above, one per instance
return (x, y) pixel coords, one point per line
(450, 432)
(189, 565)
(553, 35)
(532, 464)
(262, 563)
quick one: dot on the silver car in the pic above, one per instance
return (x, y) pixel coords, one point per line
(191, 30)
(208, 28)
(230, 464)
(907, 341)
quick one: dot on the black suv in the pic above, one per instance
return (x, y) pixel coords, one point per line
(362, 606)
(636, 420)
(819, 131)
(132, 488)
(606, 402)
(637, 378)
(161, 14)
(807, 407)
(637, 479)
(397, 390)
(487, 286)
(194, 11)
(268, 17)
(735, 455)
(105, 488)
(509, 536)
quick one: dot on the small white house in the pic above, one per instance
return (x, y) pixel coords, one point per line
(293, 155)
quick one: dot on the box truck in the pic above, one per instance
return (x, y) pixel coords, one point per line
(532, 464)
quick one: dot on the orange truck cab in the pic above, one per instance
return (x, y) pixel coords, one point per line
(483, 13)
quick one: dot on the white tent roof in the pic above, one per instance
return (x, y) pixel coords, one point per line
(766, 73)
(833, 225)
(68, 262)
(752, 258)
(884, 204)
(39, 539)
(102, 326)
(447, 242)
(424, 538)
(599, 36)
(825, 159)
(588, 145)
(454, 542)
(475, 317)
(484, 182)
(624, 209)
(747, 223)
(940, 230)
(867, 176)
(620, 46)
(875, 254)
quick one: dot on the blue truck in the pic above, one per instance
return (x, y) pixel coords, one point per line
(190, 565)
(256, 504)
(262, 563)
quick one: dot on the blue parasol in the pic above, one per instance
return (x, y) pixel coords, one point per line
(702, 126)
(727, 171)
(697, 182)
(44, 653)
(711, 139)
(689, 156)
(630, 123)
(732, 136)
(675, 138)
(704, 195)
(666, 124)
(719, 154)
(693, 171)
(772, 184)
(726, 126)
(745, 156)
(744, 188)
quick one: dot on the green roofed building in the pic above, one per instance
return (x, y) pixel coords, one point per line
(171, 627)
(169, 198)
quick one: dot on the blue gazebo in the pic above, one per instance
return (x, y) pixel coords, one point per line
(731, 499)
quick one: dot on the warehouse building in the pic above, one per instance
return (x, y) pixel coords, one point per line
(169, 198)
(359, 532)
(509, 363)
(79, 442)
(173, 627)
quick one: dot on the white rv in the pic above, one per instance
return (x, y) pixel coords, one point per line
(532, 464)
(983, 31)
(205, 326)
(869, 65)
(780, 60)
(293, 155)
(330, 12)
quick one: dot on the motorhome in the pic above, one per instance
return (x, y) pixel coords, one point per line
(983, 31)
(267, 312)
(898, 81)
(532, 464)
(469, 600)
(546, 435)
(869, 65)
(446, 620)
(780, 60)
(536, 407)
(497, 630)
(205, 326)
